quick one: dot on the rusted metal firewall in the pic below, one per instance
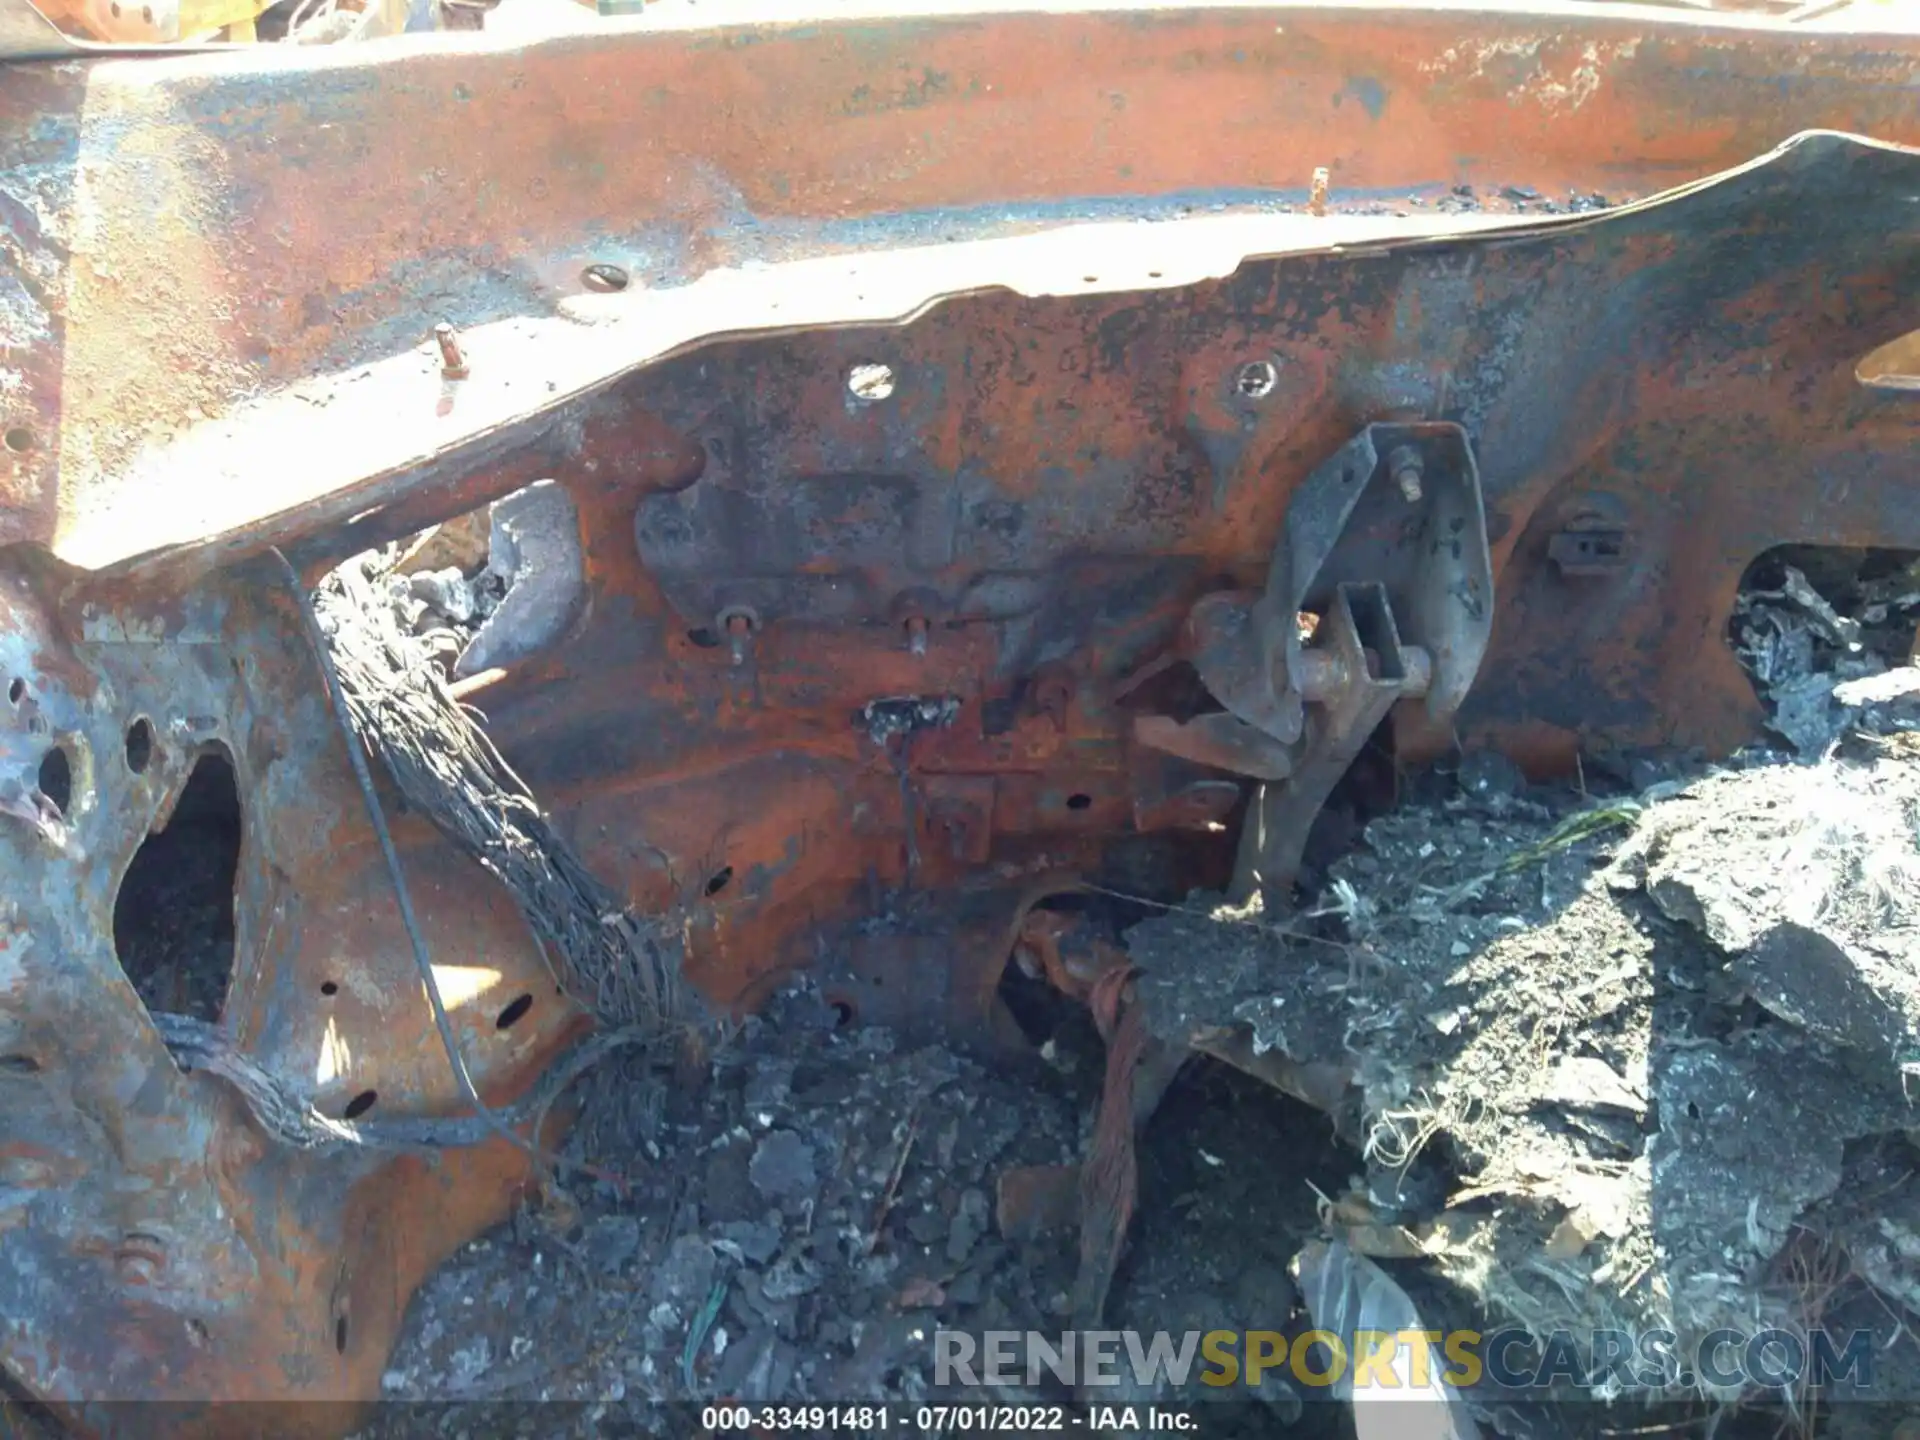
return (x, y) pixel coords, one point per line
(905, 388)
(159, 1241)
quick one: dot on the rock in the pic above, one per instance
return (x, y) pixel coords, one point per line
(611, 1241)
(1806, 877)
(768, 1089)
(1489, 775)
(1264, 1296)
(1803, 712)
(758, 1241)
(1725, 1190)
(920, 1293)
(685, 1276)
(444, 592)
(969, 1224)
(755, 1370)
(789, 1278)
(470, 1362)
(1859, 995)
(782, 1167)
(1582, 1081)
(1883, 703)
(1886, 688)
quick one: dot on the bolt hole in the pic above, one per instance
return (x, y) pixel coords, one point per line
(605, 278)
(1153, 274)
(870, 382)
(19, 439)
(36, 725)
(359, 1106)
(1256, 379)
(19, 1065)
(17, 691)
(329, 987)
(340, 1335)
(719, 880)
(139, 745)
(842, 1014)
(1078, 801)
(197, 1330)
(513, 1013)
(704, 638)
(56, 779)
(1089, 279)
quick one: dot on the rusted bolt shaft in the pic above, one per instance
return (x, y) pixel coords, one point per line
(1322, 674)
(1405, 467)
(739, 627)
(453, 364)
(917, 634)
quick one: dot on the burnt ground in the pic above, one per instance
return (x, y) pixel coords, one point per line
(759, 1223)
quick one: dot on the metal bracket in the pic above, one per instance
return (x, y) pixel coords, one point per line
(1380, 589)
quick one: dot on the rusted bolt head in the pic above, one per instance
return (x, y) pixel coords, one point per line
(1317, 194)
(738, 625)
(1255, 379)
(1053, 693)
(453, 363)
(138, 1259)
(1406, 467)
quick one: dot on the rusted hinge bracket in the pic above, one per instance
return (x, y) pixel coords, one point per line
(1380, 590)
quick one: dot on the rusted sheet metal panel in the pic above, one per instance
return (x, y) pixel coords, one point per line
(154, 1243)
(213, 227)
(1065, 476)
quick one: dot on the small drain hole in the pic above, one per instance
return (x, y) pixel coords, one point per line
(513, 1013)
(56, 779)
(359, 1106)
(139, 745)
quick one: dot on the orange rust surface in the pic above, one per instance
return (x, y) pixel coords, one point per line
(253, 220)
(258, 219)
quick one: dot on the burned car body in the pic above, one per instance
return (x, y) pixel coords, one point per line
(938, 426)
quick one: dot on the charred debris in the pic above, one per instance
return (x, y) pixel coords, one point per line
(1630, 1053)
